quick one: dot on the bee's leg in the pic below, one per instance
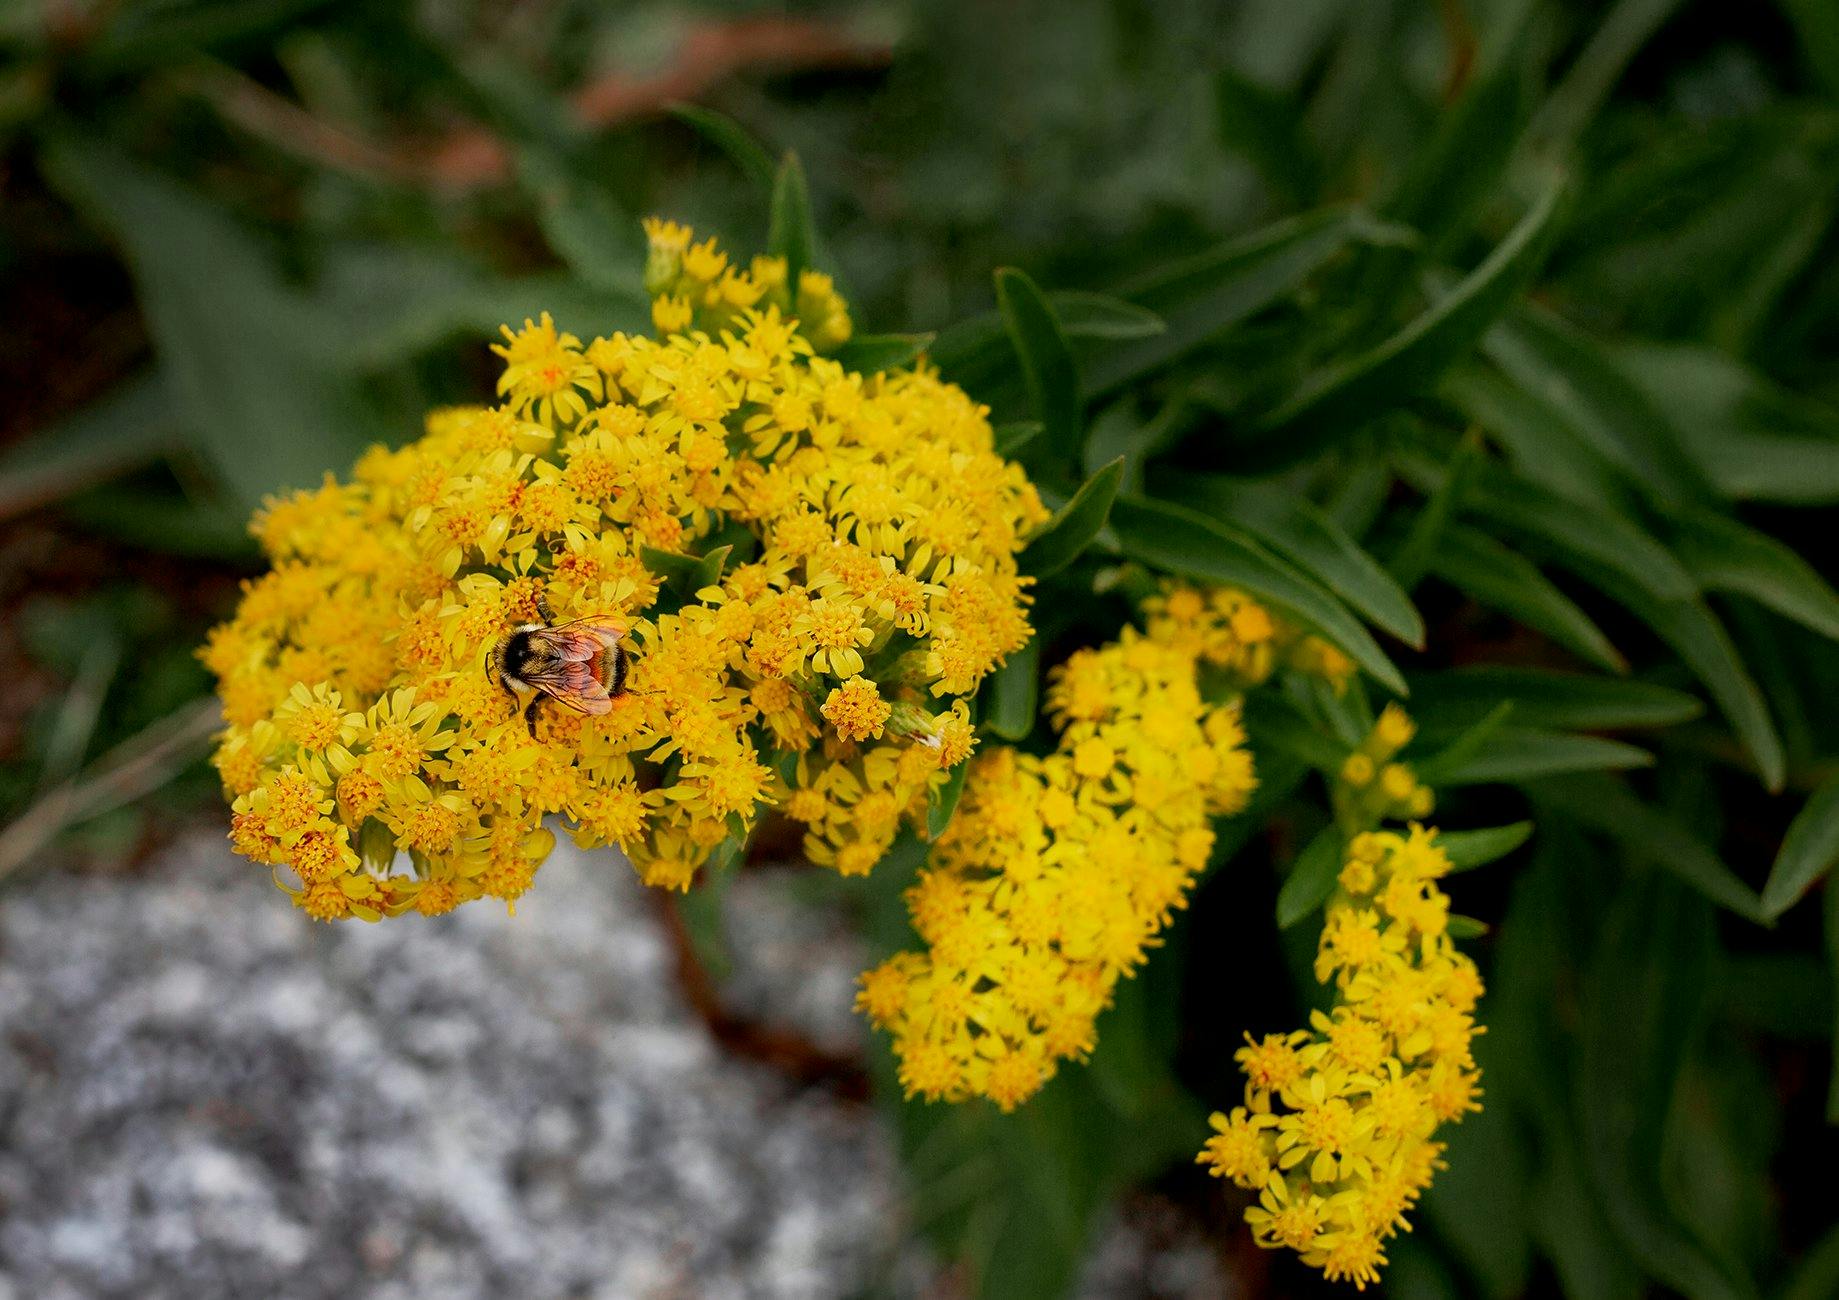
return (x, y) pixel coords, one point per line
(530, 714)
(543, 611)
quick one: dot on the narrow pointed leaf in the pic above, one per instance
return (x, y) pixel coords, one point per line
(1311, 880)
(1541, 698)
(1345, 397)
(1470, 849)
(1047, 362)
(872, 353)
(1515, 754)
(1725, 555)
(1808, 851)
(792, 232)
(731, 138)
(1012, 693)
(1298, 530)
(1178, 540)
(1504, 580)
(1074, 525)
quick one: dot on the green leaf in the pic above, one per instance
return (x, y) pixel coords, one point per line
(1832, 957)
(1558, 701)
(710, 567)
(1085, 315)
(1065, 537)
(1643, 999)
(597, 238)
(1725, 555)
(1816, 1276)
(870, 354)
(1808, 851)
(1312, 879)
(945, 801)
(1604, 804)
(1515, 754)
(1179, 541)
(733, 139)
(1293, 527)
(133, 426)
(1011, 439)
(1617, 35)
(1584, 534)
(1343, 398)
(1470, 849)
(1597, 401)
(1047, 362)
(1411, 560)
(1434, 769)
(1275, 724)
(1751, 439)
(1013, 692)
(1265, 126)
(1696, 635)
(1203, 296)
(1506, 581)
(252, 369)
(1540, 446)
(791, 234)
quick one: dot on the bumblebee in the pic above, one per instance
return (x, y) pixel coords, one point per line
(579, 665)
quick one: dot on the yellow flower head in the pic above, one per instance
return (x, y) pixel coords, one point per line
(853, 541)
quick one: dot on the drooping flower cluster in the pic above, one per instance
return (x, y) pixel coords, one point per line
(815, 567)
(1337, 1133)
(1058, 872)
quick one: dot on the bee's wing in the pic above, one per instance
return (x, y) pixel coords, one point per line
(571, 683)
(580, 641)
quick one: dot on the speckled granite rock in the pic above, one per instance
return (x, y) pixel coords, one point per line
(202, 1094)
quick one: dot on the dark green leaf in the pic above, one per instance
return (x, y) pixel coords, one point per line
(1311, 880)
(1265, 126)
(1296, 529)
(733, 139)
(872, 353)
(1502, 579)
(1725, 555)
(1074, 525)
(131, 427)
(1470, 849)
(1559, 701)
(1590, 392)
(1343, 398)
(1586, 534)
(252, 369)
(1436, 768)
(1180, 541)
(1515, 754)
(1411, 561)
(1808, 851)
(1047, 363)
(945, 801)
(1013, 692)
(1644, 997)
(1085, 315)
(1832, 957)
(1700, 640)
(1750, 438)
(1816, 1276)
(1604, 804)
(1204, 296)
(1012, 439)
(1275, 724)
(792, 232)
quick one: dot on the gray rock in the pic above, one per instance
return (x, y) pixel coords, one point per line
(202, 1094)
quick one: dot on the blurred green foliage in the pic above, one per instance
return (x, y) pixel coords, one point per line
(1494, 338)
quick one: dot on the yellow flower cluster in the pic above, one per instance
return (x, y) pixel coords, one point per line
(1237, 639)
(1373, 786)
(1336, 1133)
(1057, 872)
(815, 567)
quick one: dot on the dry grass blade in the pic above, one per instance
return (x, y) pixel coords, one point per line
(138, 766)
